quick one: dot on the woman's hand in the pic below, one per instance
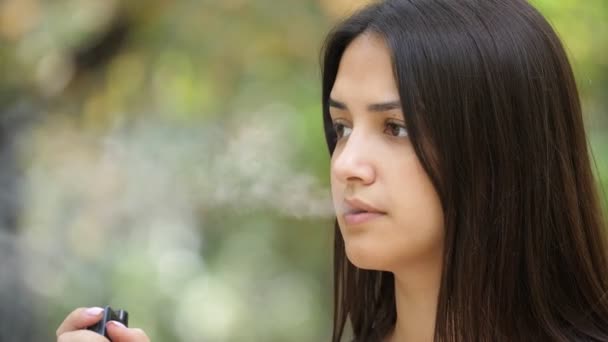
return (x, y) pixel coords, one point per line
(73, 328)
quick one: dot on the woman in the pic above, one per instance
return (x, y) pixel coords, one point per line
(466, 205)
(465, 202)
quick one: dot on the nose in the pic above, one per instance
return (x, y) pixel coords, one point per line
(352, 160)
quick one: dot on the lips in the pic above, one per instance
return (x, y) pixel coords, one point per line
(357, 211)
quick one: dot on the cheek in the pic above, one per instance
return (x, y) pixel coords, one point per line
(418, 210)
(414, 233)
(413, 190)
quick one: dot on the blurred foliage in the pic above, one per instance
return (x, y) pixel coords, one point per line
(174, 163)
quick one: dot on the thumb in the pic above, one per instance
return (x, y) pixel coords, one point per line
(119, 333)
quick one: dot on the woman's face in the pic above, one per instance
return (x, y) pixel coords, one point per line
(388, 211)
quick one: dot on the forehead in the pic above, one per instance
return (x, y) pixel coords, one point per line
(365, 73)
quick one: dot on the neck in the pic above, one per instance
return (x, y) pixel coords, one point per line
(416, 296)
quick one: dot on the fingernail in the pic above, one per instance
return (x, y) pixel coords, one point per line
(116, 323)
(94, 311)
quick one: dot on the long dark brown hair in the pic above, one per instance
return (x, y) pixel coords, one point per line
(493, 112)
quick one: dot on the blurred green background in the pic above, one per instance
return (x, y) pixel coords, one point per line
(167, 157)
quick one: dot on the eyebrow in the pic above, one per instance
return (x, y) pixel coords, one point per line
(374, 107)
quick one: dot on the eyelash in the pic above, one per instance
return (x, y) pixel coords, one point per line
(389, 124)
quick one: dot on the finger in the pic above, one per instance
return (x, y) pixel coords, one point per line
(81, 336)
(120, 333)
(80, 319)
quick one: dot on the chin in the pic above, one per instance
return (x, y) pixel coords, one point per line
(367, 258)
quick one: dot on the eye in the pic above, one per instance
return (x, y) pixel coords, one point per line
(395, 129)
(341, 130)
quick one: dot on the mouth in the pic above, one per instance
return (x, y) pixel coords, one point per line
(357, 211)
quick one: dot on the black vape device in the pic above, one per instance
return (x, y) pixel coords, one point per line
(110, 315)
